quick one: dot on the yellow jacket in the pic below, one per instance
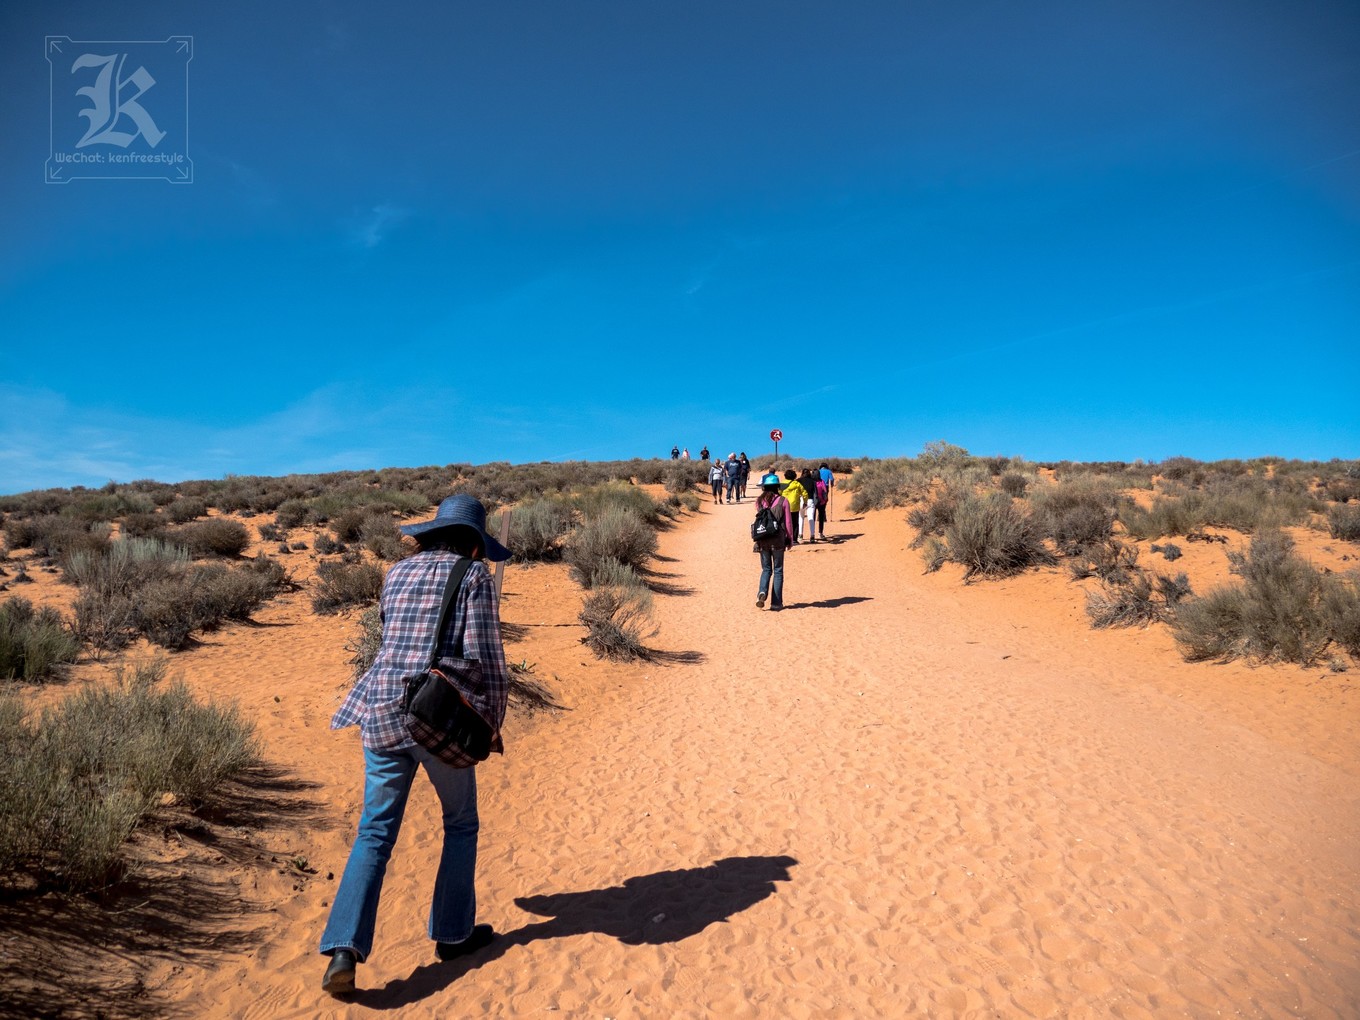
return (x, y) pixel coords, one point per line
(794, 493)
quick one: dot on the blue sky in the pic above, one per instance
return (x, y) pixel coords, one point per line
(421, 233)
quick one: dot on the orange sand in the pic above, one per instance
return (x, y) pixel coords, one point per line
(902, 796)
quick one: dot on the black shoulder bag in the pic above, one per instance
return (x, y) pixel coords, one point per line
(436, 711)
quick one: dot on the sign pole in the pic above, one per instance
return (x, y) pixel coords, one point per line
(505, 541)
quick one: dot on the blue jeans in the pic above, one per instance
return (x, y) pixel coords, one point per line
(387, 784)
(731, 487)
(772, 574)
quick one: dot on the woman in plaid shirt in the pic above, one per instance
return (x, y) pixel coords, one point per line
(411, 597)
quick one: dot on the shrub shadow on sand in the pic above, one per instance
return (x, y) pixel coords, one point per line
(68, 954)
(646, 910)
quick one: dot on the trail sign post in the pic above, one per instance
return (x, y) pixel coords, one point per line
(776, 435)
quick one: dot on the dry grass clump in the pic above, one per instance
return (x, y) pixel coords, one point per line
(77, 780)
(994, 536)
(213, 537)
(148, 587)
(186, 509)
(884, 483)
(1343, 521)
(1284, 609)
(55, 536)
(341, 585)
(537, 529)
(617, 613)
(1077, 513)
(1112, 561)
(34, 644)
(1137, 600)
(614, 533)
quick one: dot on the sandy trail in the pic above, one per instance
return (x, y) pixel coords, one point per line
(899, 797)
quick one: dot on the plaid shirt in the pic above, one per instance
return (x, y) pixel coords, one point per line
(411, 598)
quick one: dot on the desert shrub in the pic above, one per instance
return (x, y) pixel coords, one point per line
(292, 513)
(1013, 484)
(75, 782)
(380, 536)
(214, 537)
(143, 525)
(934, 517)
(1112, 561)
(617, 618)
(170, 609)
(1168, 515)
(1182, 469)
(1343, 521)
(885, 483)
(537, 529)
(1140, 599)
(55, 537)
(993, 535)
(34, 644)
(125, 566)
(681, 476)
(1282, 609)
(935, 552)
(1341, 488)
(605, 499)
(186, 509)
(326, 545)
(1248, 504)
(271, 533)
(1076, 513)
(1341, 611)
(105, 620)
(364, 646)
(614, 533)
(340, 585)
(1169, 550)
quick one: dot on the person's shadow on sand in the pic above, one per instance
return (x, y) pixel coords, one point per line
(646, 910)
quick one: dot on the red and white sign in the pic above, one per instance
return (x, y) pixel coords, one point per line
(776, 435)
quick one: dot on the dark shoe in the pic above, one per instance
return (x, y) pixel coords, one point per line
(760, 601)
(481, 937)
(339, 979)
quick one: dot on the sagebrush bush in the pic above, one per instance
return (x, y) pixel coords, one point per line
(1077, 513)
(1112, 561)
(77, 780)
(617, 619)
(994, 536)
(213, 537)
(341, 585)
(887, 483)
(1343, 521)
(611, 497)
(34, 644)
(366, 642)
(1283, 610)
(931, 519)
(326, 545)
(1168, 515)
(1138, 600)
(1013, 484)
(613, 533)
(537, 529)
(186, 509)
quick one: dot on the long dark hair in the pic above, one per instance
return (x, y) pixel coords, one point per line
(458, 538)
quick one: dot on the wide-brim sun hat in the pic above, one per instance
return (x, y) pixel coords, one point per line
(464, 511)
(770, 481)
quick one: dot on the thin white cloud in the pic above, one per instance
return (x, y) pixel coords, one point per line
(373, 227)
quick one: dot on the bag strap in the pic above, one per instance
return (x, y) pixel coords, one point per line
(455, 581)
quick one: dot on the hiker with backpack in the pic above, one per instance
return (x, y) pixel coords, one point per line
(772, 532)
(413, 593)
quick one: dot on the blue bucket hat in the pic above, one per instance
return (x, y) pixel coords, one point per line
(461, 511)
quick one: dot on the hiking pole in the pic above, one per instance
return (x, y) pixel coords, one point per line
(505, 541)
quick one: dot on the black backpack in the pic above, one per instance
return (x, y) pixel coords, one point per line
(768, 527)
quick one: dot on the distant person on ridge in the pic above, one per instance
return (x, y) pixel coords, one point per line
(703, 454)
(411, 596)
(772, 550)
(732, 472)
(675, 453)
(745, 477)
(715, 480)
(809, 481)
(684, 454)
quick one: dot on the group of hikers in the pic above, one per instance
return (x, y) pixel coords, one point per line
(440, 619)
(787, 512)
